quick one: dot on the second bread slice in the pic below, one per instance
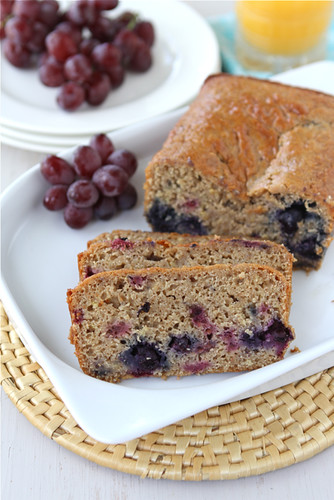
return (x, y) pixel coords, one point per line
(121, 253)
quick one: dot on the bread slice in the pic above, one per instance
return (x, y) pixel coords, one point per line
(123, 253)
(180, 321)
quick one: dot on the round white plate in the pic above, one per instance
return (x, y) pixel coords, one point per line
(185, 52)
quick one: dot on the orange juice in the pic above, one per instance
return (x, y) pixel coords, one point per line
(284, 28)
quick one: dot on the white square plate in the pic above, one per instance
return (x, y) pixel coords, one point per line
(39, 265)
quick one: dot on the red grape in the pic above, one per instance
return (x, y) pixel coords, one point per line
(97, 88)
(55, 197)
(6, 8)
(86, 160)
(76, 217)
(71, 96)
(60, 45)
(142, 59)
(83, 194)
(106, 55)
(127, 41)
(70, 29)
(110, 179)
(104, 29)
(128, 198)
(87, 45)
(51, 72)
(16, 54)
(48, 13)
(103, 145)
(78, 68)
(56, 170)
(116, 76)
(82, 13)
(105, 4)
(36, 42)
(124, 159)
(145, 31)
(18, 30)
(29, 9)
(105, 208)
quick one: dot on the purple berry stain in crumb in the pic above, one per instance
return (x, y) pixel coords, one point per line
(78, 315)
(275, 335)
(263, 309)
(117, 329)
(137, 282)
(200, 319)
(197, 366)
(143, 358)
(250, 243)
(121, 244)
(229, 338)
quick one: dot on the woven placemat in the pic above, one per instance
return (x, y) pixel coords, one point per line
(249, 437)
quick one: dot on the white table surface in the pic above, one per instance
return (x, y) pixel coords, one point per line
(33, 467)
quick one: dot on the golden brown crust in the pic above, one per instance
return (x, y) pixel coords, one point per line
(138, 235)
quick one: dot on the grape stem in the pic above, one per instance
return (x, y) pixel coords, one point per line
(131, 24)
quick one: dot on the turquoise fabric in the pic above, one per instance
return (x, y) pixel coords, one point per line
(224, 28)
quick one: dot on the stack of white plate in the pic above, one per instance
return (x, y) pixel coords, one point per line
(185, 53)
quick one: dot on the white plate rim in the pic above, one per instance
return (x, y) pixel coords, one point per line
(31, 146)
(22, 135)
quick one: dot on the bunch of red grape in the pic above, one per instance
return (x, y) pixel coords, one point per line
(95, 185)
(82, 51)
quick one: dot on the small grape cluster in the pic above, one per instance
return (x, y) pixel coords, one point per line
(95, 185)
(82, 51)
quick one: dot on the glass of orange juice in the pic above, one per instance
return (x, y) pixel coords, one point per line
(274, 35)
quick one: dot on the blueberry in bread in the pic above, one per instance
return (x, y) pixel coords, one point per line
(124, 253)
(250, 158)
(180, 321)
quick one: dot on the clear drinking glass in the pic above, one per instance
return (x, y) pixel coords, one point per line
(276, 35)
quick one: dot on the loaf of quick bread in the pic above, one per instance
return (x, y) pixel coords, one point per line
(250, 158)
(180, 321)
